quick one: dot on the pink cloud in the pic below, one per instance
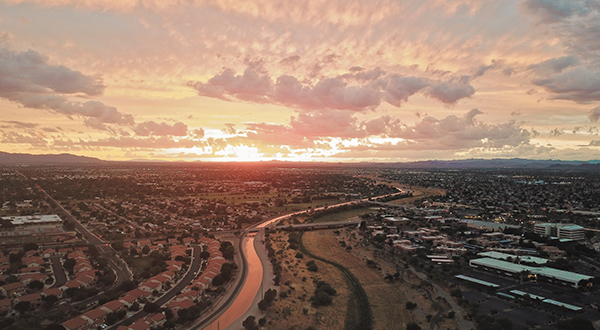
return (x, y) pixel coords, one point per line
(356, 91)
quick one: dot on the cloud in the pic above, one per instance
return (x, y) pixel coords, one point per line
(594, 114)
(554, 11)
(32, 138)
(430, 133)
(357, 90)
(453, 132)
(578, 84)
(306, 129)
(29, 80)
(496, 64)
(21, 124)
(556, 132)
(148, 128)
(576, 23)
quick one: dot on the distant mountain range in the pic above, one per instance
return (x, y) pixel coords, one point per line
(515, 163)
(498, 163)
(28, 159)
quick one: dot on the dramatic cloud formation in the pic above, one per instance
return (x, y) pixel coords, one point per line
(357, 90)
(28, 79)
(381, 80)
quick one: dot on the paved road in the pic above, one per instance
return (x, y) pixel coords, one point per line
(185, 281)
(60, 278)
(120, 267)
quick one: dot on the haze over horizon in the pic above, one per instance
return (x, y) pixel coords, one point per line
(350, 81)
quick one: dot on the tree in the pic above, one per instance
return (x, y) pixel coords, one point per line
(151, 308)
(412, 326)
(410, 305)
(218, 280)
(321, 299)
(263, 305)
(30, 247)
(69, 264)
(146, 249)
(22, 306)
(35, 285)
(312, 266)
(249, 323)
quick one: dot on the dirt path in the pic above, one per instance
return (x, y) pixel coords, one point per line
(295, 311)
(387, 301)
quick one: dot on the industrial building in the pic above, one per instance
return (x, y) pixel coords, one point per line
(547, 274)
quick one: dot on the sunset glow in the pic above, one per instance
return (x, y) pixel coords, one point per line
(348, 81)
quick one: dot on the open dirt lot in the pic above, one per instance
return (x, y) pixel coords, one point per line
(297, 282)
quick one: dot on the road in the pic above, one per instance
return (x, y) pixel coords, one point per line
(60, 278)
(120, 267)
(248, 290)
(185, 281)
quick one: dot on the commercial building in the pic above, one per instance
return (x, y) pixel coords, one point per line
(547, 274)
(562, 231)
(34, 220)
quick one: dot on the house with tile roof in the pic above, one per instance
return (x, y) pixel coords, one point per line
(76, 323)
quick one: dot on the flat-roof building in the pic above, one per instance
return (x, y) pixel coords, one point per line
(560, 230)
(31, 220)
(543, 273)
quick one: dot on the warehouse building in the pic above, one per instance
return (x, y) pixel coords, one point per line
(547, 274)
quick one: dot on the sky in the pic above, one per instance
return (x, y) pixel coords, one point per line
(338, 81)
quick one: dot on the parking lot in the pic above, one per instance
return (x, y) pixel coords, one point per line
(526, 312)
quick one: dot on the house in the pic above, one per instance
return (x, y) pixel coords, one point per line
(12, 289)
(137, 293)
(49, 253)
(178, 305)
(53, 292)
(95, 317)
(31, 269)
(86, 281)
(82, 267)
(191, 295)
(30, 253)
(77, 323)
(34, 299)
(5, 306)
(156, 320)
(151, 286)
(139, 325)
(143, 242)
(174, 266)
(32, 261)
(128, 300)
(113, 306)
(28, 278)
(74, 284)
